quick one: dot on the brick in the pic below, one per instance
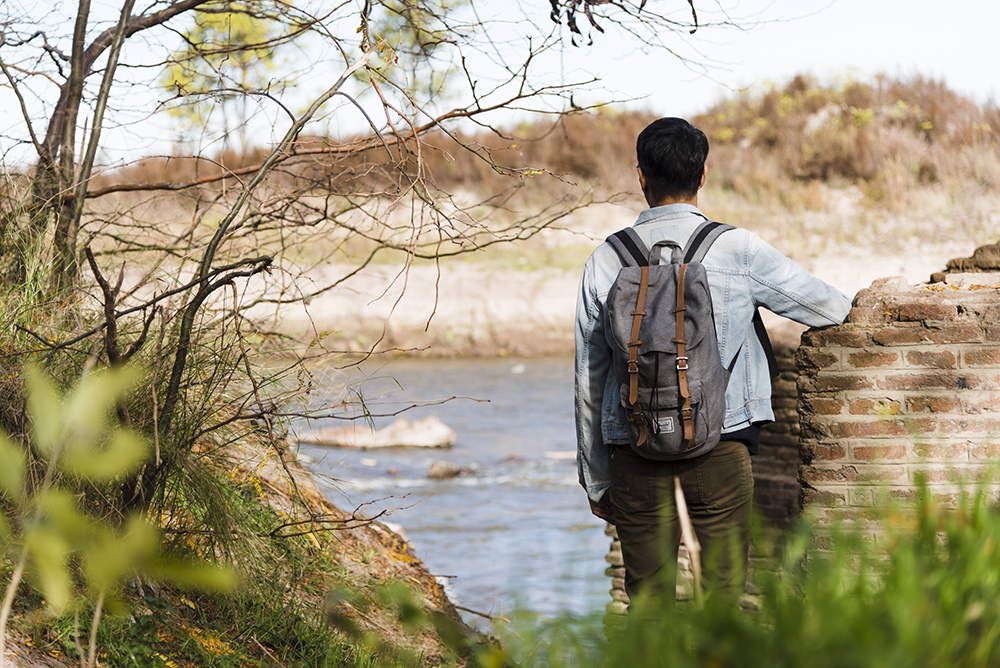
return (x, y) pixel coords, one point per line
(824, 406)
(880, 474)
(989, 451)
(811, 428)
(822, 451)
(936, 360)
(898, 336)
(837, 382)
(877, 453)
(847, 339)
(860, 496)
(953, 473)
(867, 299)
(870, 316)
(932, 404)
(992, 334)
(982, 357)
(958, 334)
(967, 426)
(927, 311)
(815, 497)
(921, 381)
(941, 450)
(813, 475)
(866, 359)
(980, 402)
(875, 407)
(869, 429)
(814, 359)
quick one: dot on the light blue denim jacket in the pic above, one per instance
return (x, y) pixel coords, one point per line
(744, 272)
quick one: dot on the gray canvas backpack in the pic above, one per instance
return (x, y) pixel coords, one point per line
(665, 353)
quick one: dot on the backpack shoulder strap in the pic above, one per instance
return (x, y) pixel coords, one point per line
(702, 239)
(630, 248)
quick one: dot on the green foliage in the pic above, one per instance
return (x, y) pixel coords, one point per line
(917, 588)
(229, 52)
(71, 556)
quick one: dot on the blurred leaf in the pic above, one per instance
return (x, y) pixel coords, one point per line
(59, 511)
(49, 550)
(12, 461)
(44, 410)
(124, 453)
(193, 576)
(91, 401)
(110, 557)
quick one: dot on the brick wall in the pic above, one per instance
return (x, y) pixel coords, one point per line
(909, 385)
(775, 470)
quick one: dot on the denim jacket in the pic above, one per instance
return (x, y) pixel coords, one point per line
(744, 272)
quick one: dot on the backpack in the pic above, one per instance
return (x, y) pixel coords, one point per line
(665, 353)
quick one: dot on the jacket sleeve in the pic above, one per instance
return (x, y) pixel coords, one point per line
(778, 284)
(592, 366)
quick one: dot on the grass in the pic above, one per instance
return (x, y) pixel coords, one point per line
(916, 588)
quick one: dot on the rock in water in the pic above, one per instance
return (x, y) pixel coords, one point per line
(429, 432)
(445, 471)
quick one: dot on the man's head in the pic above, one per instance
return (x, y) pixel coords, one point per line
(671, 155)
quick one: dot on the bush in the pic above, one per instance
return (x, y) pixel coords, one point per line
(919, 590)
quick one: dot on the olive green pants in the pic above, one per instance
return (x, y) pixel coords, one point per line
(718, 491)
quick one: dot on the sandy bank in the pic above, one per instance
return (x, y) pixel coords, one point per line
(467, 308)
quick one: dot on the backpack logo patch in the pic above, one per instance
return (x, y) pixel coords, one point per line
(665, 425)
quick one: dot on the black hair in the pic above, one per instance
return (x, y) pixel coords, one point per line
(671, 154)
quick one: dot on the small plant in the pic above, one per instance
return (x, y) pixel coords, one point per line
(73, 558)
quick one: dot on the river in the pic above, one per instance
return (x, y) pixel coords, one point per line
(513, 533)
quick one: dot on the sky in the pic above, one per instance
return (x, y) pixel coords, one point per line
(950, 40)
(765, 41)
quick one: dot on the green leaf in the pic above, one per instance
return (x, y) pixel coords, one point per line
(59, 511)
(44, 410)
(49, 550)
(91, 401)
(110, 557)
(194, 576)
(125, 452)
(12, 462)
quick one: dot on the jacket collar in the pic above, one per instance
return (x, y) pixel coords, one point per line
(668, 212)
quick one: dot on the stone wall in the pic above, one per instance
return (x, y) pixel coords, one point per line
(908, 386)
(775, 469)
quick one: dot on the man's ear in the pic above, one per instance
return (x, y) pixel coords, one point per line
(642, 178)
(704, 177)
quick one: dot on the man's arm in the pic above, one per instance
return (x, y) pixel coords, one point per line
(593, 364)
(781, 286)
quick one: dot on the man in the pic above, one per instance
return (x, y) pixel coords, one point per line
(636, 493)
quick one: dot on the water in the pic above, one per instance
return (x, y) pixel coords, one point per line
(515, 532)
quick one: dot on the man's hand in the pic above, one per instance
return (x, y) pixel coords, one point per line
(604, 509)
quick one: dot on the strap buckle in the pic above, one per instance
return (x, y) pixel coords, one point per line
(679, 367)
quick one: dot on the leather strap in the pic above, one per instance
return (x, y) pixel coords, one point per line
(682, 363)
(633, 358)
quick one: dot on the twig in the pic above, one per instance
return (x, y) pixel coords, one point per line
(687, 533)
(8, 604)
(92, 655)
(492, 618)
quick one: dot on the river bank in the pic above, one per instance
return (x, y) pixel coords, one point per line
(525, 305)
